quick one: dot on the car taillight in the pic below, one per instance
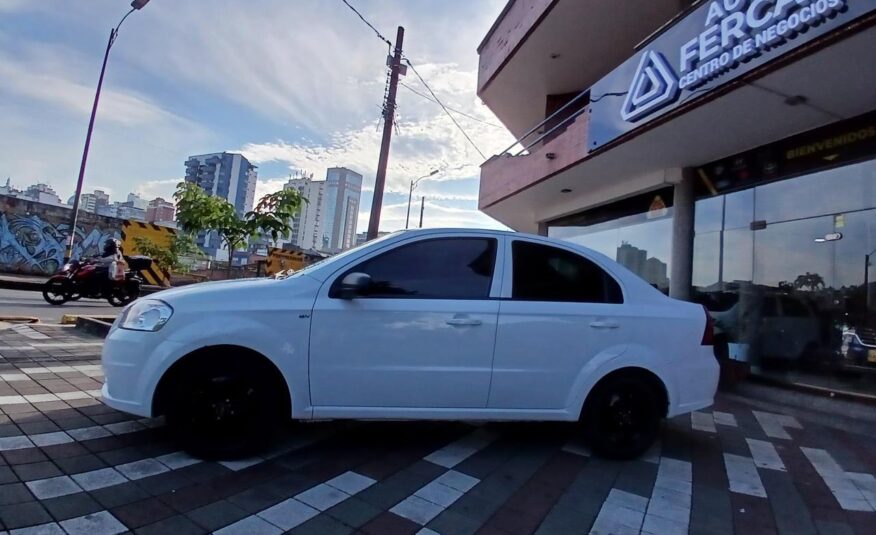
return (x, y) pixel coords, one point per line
(709, 331)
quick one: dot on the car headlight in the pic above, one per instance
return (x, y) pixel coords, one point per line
(146, 315)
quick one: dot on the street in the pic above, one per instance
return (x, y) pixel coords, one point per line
(748, 464)
(21, 303)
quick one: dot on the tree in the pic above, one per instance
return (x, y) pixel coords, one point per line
(169, 257)
(196, 211)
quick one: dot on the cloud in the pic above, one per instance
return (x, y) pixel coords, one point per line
(435, 215)
(294, 85)
(158, 188)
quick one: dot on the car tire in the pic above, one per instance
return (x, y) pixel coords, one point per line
(223, 408)
(622, 417)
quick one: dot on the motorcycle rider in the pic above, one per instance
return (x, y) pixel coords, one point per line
(112, 252)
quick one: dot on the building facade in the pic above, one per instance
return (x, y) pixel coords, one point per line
(328, 218)
(307, 225)
(343, 191)
(723, 150)
(227, 175)
(159, 211)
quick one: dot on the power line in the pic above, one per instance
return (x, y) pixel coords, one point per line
(379, 35)
(430, 99)
(461, 129)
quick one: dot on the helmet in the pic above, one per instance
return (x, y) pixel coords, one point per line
(111, 247)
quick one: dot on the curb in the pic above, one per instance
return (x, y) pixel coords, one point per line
(72, 319)
(93, 326)
(811, 389)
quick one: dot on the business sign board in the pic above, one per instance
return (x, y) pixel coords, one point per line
(717, 42)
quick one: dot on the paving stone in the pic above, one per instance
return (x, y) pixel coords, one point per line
(102, 523)
(176, 525)
(53, 487)
(33, 471)
(140, 469)
(119, 495)
(354, 512)
(251, 525)
(322, 497)
(13, 493)
(98, 479)
(217, 515)
(7, 475)
(65, 507)
(288, 514)
(51, 528)
(80, 463)
(351, 482)
(24, 514)
(137, 514)
(417, 510)
(452, 523)
(322, 525)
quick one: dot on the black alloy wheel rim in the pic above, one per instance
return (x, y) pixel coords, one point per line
(624, 417)
(223, 405)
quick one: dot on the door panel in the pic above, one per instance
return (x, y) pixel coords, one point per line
(541, 347)
(561, 311)
(426, 353)
(421, 335)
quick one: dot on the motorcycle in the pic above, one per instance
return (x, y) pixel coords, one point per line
(78, 279)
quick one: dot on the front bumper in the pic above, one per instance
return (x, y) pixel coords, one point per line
(131, 363)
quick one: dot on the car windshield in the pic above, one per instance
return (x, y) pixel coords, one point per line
(340, 256)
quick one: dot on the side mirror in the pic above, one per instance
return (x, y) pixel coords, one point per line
(354, 285)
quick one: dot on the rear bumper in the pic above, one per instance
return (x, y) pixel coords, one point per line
(696, 382)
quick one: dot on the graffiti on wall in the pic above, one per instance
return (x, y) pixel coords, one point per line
(31, 244)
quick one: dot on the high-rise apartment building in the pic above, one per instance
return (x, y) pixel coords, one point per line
(343, 190)
(328, 217)
(227, 175)
(307, 224)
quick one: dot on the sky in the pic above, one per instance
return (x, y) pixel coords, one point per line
(294, 85)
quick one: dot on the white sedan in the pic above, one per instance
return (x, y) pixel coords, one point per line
(428, 324)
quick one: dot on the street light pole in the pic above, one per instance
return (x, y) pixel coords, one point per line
(411, 194)
(74, 218)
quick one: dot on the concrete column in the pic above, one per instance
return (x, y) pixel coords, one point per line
(542, 229)
(680, 278)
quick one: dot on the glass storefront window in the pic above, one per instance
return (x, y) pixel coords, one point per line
(739, 209)
(641, 242)
(790, 298)
(844, 189)
(709, 215)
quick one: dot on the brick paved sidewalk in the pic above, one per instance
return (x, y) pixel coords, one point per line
(69, 464)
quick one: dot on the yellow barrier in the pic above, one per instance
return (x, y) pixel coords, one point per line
(281, 260)
(162, 236)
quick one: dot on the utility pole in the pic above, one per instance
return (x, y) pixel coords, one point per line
(422, 208)
(395, 69)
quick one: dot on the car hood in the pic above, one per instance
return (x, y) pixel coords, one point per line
(242, 289)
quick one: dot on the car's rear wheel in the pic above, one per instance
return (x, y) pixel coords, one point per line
(223, 408)
(622, 417)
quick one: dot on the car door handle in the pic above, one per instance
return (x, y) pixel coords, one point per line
(602, 324)
(462, 322)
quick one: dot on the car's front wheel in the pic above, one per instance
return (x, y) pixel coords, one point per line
(222, 408)
(622, 417)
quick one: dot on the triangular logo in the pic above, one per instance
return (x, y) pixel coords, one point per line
(653, 86)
